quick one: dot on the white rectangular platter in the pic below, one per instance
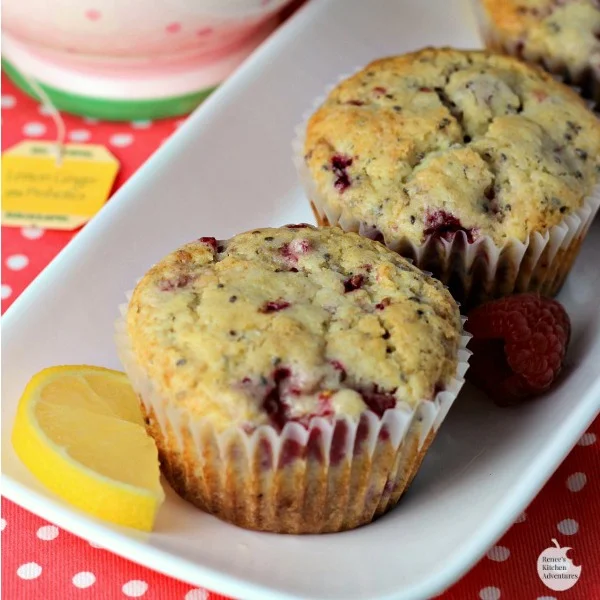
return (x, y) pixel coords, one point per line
(229, 169)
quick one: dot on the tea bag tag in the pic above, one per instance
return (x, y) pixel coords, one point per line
(53, 185)
(51, 190)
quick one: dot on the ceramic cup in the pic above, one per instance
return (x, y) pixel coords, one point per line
(131, 59)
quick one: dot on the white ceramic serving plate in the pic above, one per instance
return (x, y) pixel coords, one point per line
(229, 169)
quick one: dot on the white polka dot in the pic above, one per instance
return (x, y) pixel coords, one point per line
(16, 262)
(44, 110)
(47, 532)
(2, 524)
(568, 527)
(90, 120)
(498, 553)
(6, 291)
(94, 545)
(489, 593)
(8, 101)
(197, 594)
(576, 482)
(546, 598)
(84, 579)
(79, 135)
(135, 588)
(34, 129)
(587, 439)
(29, 571)
(32, 233)
(521, 518)
(141, 124)
(121, 140)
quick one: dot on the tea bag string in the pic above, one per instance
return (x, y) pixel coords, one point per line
(53, 112)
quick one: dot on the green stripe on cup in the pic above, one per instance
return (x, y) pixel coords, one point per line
(108, 109)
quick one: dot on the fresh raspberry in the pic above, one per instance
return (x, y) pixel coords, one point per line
(519, 345)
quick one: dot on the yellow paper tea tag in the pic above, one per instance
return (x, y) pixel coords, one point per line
(40, 190)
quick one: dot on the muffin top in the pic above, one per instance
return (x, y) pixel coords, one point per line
(290, 323)
(567, 31)
(442, 140)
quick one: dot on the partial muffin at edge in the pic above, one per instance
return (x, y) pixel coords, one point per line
(563, 37)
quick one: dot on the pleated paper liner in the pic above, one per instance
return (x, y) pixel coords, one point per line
(474, 272)
(331, 476)
(480, 271)
(585, 82)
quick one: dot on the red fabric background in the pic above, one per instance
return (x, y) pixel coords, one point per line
(567, 509)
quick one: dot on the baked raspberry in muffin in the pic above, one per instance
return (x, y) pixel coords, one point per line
(292, 377)
(563, 36)
(477, 166)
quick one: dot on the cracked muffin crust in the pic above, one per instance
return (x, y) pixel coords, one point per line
(562, 35)
(439, 141)
(292, 378)
(285, 324)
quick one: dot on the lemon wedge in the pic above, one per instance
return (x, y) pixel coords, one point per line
(80, 431)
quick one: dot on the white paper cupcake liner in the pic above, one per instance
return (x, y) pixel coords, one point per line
(585, 82)
(324, 478)
(474, 272)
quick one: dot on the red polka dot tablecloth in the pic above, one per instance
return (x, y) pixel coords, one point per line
(40, 561)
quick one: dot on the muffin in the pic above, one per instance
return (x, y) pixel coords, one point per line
(293, 378)
(476, 166)
(562, 36)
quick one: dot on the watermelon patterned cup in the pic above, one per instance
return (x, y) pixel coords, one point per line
(163, 66)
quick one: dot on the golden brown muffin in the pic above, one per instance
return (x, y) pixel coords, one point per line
(442, 142)
(561, 35)
(275, 334)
